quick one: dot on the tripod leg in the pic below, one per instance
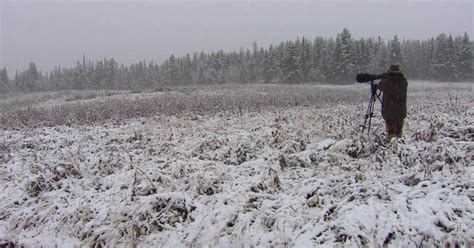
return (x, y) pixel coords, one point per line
(371, 114)
(367, 114)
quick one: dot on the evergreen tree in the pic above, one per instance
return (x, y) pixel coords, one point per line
(427, 58)
(268, 68)
(78, 81)
(187, 70)
(317, 60)
(202, 77)
(195, 62)
(18, 82)
(289, 65)
(216, 70)
(243, 67)
(4, 80)
(443, 64)
(251, 66)
(464, 59)
(99, 74)
(335, 60)
(123, 77)
(304, 60)
(328, 58)
(110, 71)
(342, 66)
(412, 59)
(450, 73)
(380, 60)
(255, 50)
(396, 56)
(31, 77)
(55, 79)
(318, 52)
(361, 56)
(171, 71)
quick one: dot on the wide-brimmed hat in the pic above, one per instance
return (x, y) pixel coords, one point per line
(394, 68)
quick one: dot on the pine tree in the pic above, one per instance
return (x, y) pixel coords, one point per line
(342, 66)
(412, 58)
(304, 61)
(450, 73)
(327, 59)
(289, 65)
(251, 65)
(77, 81)
(110, 70)
(268, 68)
(443, 67)
(99, 74)
(195, 63)
(255, 50)
(464, 59)
(317, 60)
(4, 80)
(122, 77)
(172, 71)
(396, 56)
(318, 52)
(337, 60)
(361, 56)
(216, 70)
(243, 67)
(427, 58)
(187, 70)
(55, 79)
(18, 82)
(202, 77)
(379, 61)
(31, 77)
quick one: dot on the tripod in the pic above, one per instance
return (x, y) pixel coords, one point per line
(370, 109)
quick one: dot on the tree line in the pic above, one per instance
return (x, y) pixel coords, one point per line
(442, 58)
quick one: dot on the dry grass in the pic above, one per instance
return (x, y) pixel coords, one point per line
(87, 107)
(285, 177)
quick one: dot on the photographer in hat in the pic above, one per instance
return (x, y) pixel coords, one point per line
(394, 102)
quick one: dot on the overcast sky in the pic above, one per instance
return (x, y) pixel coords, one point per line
(59, 32)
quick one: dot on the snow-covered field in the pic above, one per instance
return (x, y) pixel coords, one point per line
(271, 170)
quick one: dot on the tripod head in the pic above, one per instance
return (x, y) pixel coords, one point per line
(373, 88)
(366, 77)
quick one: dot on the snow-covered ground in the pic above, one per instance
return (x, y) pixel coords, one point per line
(296, 176)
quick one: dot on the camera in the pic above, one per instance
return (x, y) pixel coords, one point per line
(366, 77)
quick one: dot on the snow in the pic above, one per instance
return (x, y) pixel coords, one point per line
(299, 176)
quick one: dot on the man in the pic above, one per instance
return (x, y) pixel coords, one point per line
(394, 102)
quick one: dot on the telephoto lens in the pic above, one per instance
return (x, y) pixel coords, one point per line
(366, 77)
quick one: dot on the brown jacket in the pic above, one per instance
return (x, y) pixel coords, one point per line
(394, 102)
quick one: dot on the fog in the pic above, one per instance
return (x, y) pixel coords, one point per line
(59, 33)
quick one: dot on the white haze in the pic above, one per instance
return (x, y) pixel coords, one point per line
(59, 33)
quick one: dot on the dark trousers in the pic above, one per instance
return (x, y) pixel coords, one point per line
(394, 128)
